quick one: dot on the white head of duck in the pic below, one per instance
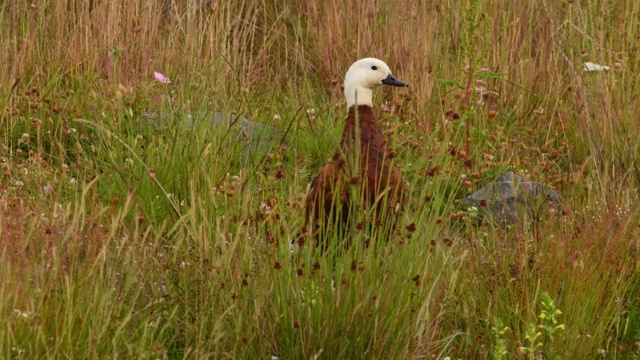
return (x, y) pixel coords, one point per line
(365, 75)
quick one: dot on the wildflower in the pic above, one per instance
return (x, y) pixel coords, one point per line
(73, 181)
(48, 189)
(602, 352)
(265, 208)
(473, 211)
(161, 78)
(589, 66)
(276, 117)
(23, 139)
(22, 314)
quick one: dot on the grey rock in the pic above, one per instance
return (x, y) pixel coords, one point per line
(232, 130)
(510, 196)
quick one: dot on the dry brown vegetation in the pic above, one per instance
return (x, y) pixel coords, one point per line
(150, 241)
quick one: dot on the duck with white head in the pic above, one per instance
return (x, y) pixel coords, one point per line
(361, 176)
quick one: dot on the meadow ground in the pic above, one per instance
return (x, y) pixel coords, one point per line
(122, 237)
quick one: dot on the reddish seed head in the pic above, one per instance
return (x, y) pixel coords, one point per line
(411, 227)
(277, 266)
(300, 272)
(468, 163)
(483, 202)
(432, 170)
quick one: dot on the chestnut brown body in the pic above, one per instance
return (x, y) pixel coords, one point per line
(360, 175)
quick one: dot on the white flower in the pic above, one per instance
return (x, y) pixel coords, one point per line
(23, 139)
(22, 314)
(265, 208)
(73, 181)
(276, 117)
(589, 66)
(602, 352)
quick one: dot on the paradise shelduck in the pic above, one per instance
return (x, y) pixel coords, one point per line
(361, 173)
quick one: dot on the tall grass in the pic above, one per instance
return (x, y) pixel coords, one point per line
(122, 236)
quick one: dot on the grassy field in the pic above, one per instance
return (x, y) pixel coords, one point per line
(122, 237)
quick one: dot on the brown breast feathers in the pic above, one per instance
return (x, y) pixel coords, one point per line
(360, 175)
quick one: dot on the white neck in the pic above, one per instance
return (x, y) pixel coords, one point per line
(358, 95)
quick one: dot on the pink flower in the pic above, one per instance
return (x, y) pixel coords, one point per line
(48, 190)
(161, 78)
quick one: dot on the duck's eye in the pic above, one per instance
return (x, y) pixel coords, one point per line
(373, 67)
